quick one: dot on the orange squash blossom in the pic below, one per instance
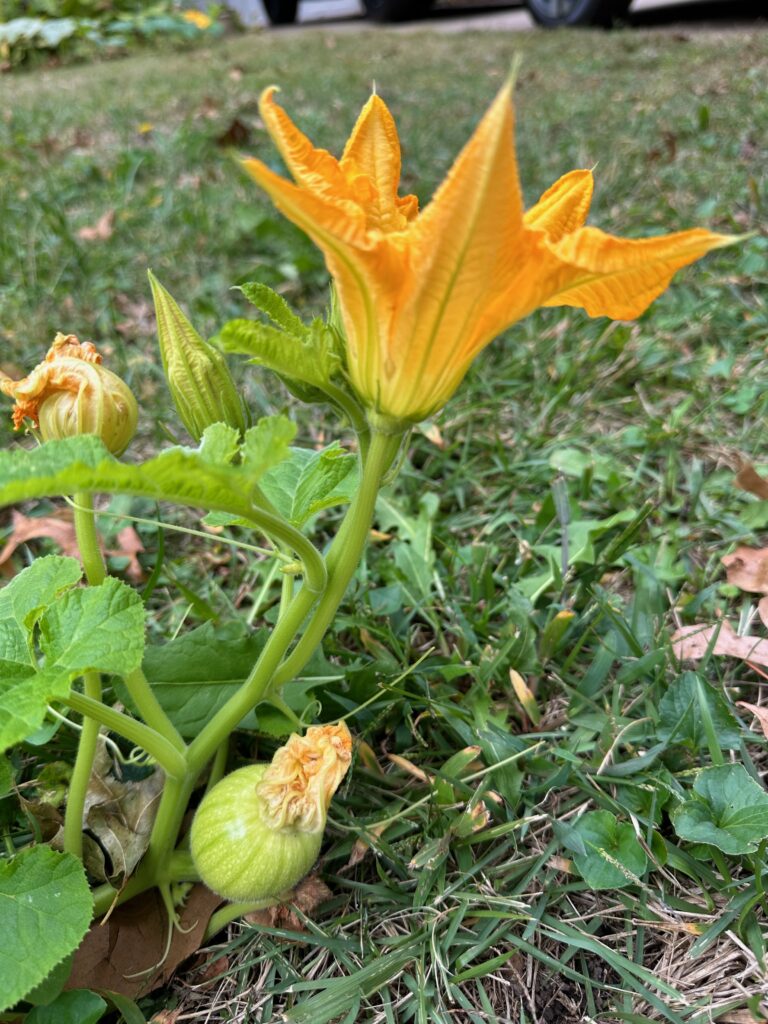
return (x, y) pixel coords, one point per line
(421, 293)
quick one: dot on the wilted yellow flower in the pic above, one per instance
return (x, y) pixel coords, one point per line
(198, 18)
(304, 774)
(71, 393)
(422, 293)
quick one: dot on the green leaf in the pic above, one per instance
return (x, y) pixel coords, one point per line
(309, 481)
(266, 444)
(613, 857)
(728, 809)
(180, 475)
(25, 598)
(680, 717)
(52, 985)
(277, 309)
(309, 357)
(219, 444)
(23, 702)
(196, 673)
(45, 910)
(96, 628)
(78, 1006)
(7, 776)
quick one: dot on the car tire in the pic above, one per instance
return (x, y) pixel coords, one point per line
(397, 10)
(555, 13)
(281, 12)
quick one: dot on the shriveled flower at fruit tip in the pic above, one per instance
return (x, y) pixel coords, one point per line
(423, 292)
(71, 393)
(304, 774)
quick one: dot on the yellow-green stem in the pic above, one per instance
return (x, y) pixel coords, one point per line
(344, 556)
(81, 772)
(95, 572)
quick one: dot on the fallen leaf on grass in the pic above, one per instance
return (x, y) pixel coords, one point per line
(59, 528)
(132, 942)
(761, 714)
(691, 643)
(306, 897)
(747, 569)
(748, 479)
(237, 133)
(129, 546)
(363, 846)
(207, 973)
(139, 317)
(101, 230)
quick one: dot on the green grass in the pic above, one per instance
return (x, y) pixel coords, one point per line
(564, 420)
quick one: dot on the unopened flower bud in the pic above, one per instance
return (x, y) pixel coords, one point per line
(201, 386)
(71, 393)
(258, 832)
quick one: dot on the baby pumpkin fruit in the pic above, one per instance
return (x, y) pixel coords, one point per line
(236, 852)
(258, 832)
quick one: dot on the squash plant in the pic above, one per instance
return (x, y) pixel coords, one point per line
(416, 295)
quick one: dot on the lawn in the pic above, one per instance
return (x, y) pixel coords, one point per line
(563, 516)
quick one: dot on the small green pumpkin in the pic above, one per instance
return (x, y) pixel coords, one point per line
(237, 853)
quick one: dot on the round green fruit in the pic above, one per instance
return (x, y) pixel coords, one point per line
(237, 854)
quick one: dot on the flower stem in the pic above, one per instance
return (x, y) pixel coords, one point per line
(170, 759)
(95, 572)
(81, 772)
(343, 559)
(344, 555)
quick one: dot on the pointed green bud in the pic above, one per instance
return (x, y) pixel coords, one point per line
(198, 378)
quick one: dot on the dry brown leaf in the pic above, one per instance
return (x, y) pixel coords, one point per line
(207, 972)
(59, 528)
(118, 817)
(747, 569)
(410, 768)
(129, 546)
(362, 846)
(50, 821)
(306, 897)
(101, 230)
(761, 714)
(133, 940)
(139, 317)
(691, 643)
(237, 133)
(432, 433)
(748, 479)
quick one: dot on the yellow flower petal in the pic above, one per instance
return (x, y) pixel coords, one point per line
(313, 168)
(564, 206)
(462, 248)
(373, 150)
(421, 294)
(620, 277)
